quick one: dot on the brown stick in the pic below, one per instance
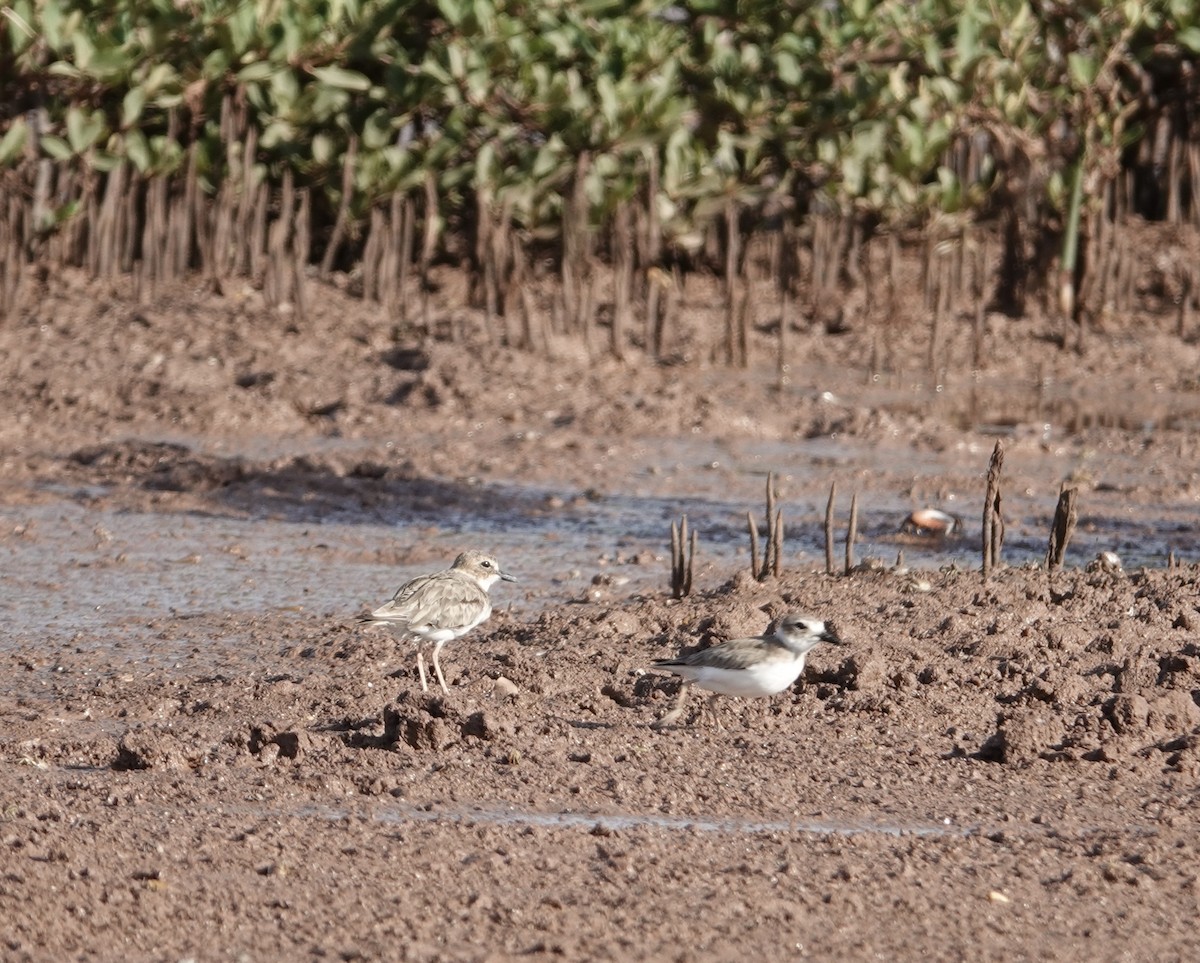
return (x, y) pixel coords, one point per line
(429, 242)
(675, 553)
(777, 544)
(770, 562)
(653, 254)
(753, 544)
(851, 532)
(732, 239)
(343, 212)
(829, 529)
(404, 228)
(683, 552)
(1062, 528)
(301, 249)
(691, 558)
(993, 522)
(623, 261)
(770, 496)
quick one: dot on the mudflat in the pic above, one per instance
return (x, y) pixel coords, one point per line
(203, 756)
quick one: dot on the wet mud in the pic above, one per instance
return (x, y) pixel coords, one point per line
(204, 756)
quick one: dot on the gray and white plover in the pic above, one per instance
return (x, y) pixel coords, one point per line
(442, 606)
(932, 523)
(759, 666)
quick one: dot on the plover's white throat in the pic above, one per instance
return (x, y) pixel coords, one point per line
(443, 606)
(760, 666)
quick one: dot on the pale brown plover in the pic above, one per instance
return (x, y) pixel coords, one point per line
(760, 666)
(441, 607)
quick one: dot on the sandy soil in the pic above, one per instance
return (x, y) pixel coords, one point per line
(1001, 770)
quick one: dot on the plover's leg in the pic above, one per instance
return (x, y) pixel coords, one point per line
(675, 711)
(712, 708)
(421, 669)
(437, 667)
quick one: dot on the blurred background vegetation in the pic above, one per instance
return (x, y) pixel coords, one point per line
(579, 160)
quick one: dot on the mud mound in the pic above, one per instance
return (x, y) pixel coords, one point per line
(1081, 668)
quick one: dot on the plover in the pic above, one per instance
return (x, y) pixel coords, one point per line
(761, 666)
(443, 606)
(931, 522)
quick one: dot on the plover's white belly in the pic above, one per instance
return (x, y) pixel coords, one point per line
(431, 634)
(765, 678)
(435, 633)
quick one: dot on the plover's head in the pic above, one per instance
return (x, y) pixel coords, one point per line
(482, 567)
(801, 633)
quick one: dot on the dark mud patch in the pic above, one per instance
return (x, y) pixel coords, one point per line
(295, 489)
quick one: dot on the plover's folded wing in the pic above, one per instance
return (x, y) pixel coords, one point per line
(451, 603)
(402, 608)
(736, 654)
(410, 589)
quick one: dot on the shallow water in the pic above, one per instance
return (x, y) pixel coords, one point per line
(616, 822)
(98, 576)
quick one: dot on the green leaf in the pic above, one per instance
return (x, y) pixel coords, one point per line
(285, 88)
(1083, 69)
(13, 142)
(85, 50)
(109, 64)
(21, 32)
(138, 150)
(457, 61)
(56, 147)
(1189, 37)
(61, 68)
(547, 161)
(256, 72)
(278, 132)
(453, 10)
(328, 101)
(377, 130)
(341, 78)
(610, 106)
(166, 153)
(243, 26)
(160, 75)
(788, 67)
(435, 71)
(216, 65)
(103, 161)
(83, 130)
(131, 106)
(52, 25)
(966, 44)
(323, 149)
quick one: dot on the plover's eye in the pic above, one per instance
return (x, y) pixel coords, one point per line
(486, 564)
